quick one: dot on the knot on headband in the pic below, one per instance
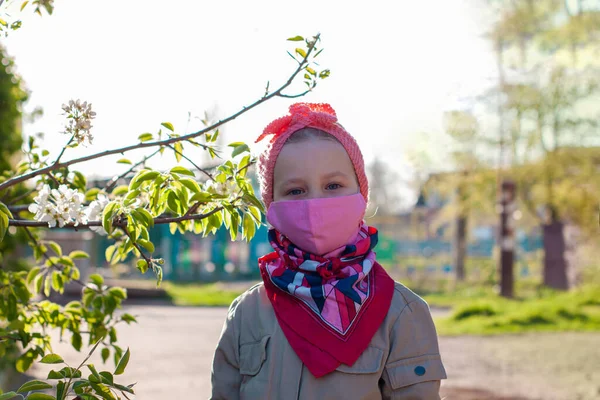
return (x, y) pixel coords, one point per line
(301, 115)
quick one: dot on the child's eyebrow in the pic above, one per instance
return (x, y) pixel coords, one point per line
(292, 181)
(334, 174)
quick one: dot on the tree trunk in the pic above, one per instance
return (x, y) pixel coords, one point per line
(507, 238)
(555, 264)
(460, 247)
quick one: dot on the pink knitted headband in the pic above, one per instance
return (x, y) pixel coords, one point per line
(302, 115)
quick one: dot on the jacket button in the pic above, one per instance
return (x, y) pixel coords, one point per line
(420, 370)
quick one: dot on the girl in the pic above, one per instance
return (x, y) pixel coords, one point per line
(327, 322)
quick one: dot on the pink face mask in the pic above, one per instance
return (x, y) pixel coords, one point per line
(321, 225)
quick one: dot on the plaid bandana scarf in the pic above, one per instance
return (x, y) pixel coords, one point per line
(329, 308)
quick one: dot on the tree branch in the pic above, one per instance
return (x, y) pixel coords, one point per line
(277, 93)
(123, 224)
(191, 162)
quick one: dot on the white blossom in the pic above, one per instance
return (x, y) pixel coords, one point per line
(79, 117)
(59, 206)
(93, 212)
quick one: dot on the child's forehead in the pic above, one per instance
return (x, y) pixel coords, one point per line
(314, 157)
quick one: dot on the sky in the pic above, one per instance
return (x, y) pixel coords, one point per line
(396, 66)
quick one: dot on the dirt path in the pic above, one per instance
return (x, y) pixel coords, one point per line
(557, 366)
(172, 349)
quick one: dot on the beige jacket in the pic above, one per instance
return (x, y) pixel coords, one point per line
(253, 359)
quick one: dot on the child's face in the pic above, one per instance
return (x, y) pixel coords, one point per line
(313, 169)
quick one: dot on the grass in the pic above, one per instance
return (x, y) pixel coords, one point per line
(545, 311)
(476, 309)
(210, 294)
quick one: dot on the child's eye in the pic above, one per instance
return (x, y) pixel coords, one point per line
(333, 186)
(294, 192)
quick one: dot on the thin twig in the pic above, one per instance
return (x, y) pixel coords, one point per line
(277, 93)
(191, 162)
(53, 178)
(19, 208)
(137, 246)
(63, 149)
(22, 196)
(111, 184)
(294, 96)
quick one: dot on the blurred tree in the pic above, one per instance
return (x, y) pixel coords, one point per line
(545, 138)
(552, 82)
(383, 189)
(12, 97)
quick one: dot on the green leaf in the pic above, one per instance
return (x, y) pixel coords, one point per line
(55, 375)
(124, 161)
(172, 201)
(24, 361)
(38, 281)
(118, 292)
(102, 391)
(32, 274)
(159, 274)
(109, 252)
(124, 388)
(40, 396)
(51, 359)
(55, 247)
(191, 184)
(66, 261)
(76, 339)
(47, 285)
(142, 266)
(80, 181)
(324, 74)
(202, 197)
(79, 254)
(107, 378)
(93, 371)
(4, 210)
(120, 190)
(98, 280)
(128, 318)
(11, 304)
(147, 245)
(144, 137)
(296, 39)
(33, 385)
(57, 281)
(301, 52)
(142, 177)
(105, 354)
(178, 150)
(181, 171)
(60, 390)
(24, 4)
(169, 126)
(122, 363)
(108, 215)
(9, 395)
(91, 194)
(239, 150)
(3, 225)
(3, 22)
